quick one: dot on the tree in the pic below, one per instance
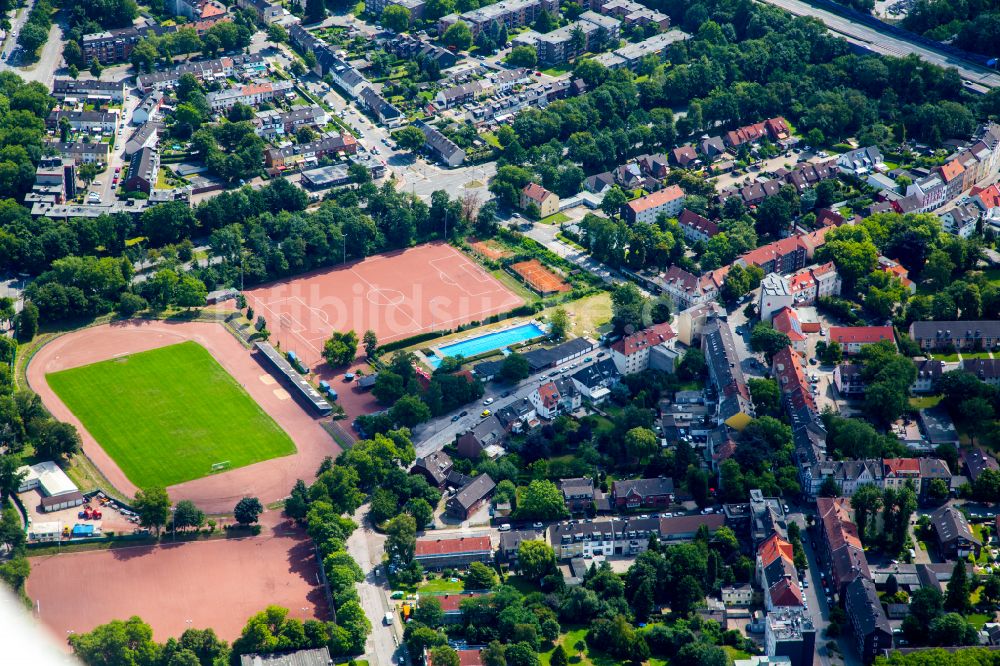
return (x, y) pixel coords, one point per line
(117, 642)
(10, 476)
(536, 559)
(153, 506)
(369, 339)
(957, 593)
(457, 37)
(130, 303)
(522, 56)
(429, 612)
(186, 514)
(26, 322)
(190, 292)
(866, 501)
(341, 348)
(627, 304)
(444, 655)
(763, 338)
(409, 138)
(247, 510)
(558, 323)
(541, 500)
(515, 368)
(57, 440)
(315, 11)
(396, 18)
(545, 22)
(641, 443)
(410, 411)
(613, 202)
(401, 539)
(480, 577)
(558, 657)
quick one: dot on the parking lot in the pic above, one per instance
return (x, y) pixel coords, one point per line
(111, 520)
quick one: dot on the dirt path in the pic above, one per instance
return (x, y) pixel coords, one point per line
(269, 480)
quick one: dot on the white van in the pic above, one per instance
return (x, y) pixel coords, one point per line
(387, 620)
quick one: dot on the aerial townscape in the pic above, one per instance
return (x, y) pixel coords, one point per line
(500, 333)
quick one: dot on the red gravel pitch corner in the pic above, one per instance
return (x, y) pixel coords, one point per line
(217, 584)
(398, 294)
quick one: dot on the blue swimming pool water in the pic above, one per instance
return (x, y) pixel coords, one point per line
(491, 341)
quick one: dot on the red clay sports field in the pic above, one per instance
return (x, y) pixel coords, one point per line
(398, 294)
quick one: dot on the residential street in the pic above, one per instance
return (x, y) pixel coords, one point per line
(365, 546)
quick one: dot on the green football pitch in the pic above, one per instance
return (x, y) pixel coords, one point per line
(167, 415)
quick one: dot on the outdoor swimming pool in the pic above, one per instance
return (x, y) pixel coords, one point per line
(490, 341)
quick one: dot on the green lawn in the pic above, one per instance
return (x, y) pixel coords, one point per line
(925, 402)
(977, 620)
(441, 586)
(555, 218)
(167, 415)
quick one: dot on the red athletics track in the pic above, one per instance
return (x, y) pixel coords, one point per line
(397, 295)
(270, 480)
(200, 584)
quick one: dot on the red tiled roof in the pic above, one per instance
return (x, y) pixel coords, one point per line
(210, 9)
(774, 548)
(779, 248)
(450, 603)
(466, 657)
(452, 546)
(787, 322)
(648, 337)
(861, 334)
(990, 196)
(951, 170)
(536, 192)
(786, 593)
(904, 465)
(549, 394)
(691, 219)
(778, 127)
(666, 195)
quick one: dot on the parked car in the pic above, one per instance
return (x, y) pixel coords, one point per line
(488, 401)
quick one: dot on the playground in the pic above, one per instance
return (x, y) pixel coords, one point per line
(215, 491)
(398, 294)
(217, 583)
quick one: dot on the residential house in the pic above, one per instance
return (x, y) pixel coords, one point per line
(687, 290)
(251, 94)
(459, 94)
(790, 632)
(83, 153)
(435, 467)
(510, 543)
(145, 136)
(685, 528)
(614, 536)
(774, 294)
(408, 47)
(642, 493)
(712, 147)
(487, 433)
(441, 146)
(555, 397)
(518, 416)
(849, 475)
(815, 282)
(55, 182)
(218, 69)
(776, 574)
(737, 595)
(510, 13)
(841, 545)
(142, 171)
(897, 472)
(932, 469)
(976, 460)
(632, 353)
(986, 369)
(669, 201)
(110, 92)
(892, 267)
(295, 155)
(415, 7)
(735, 407)
(600, 183)
(848, 380)
(684, 155)
(952, 173)
(313, 657)
(853, 338)
(578, 494)
(87, 121)
(453, 551)
(273, 123)
(595, 381)
(546, 202)
(147, 108)
(955, 538)
(266, 12)
(469, 498)
(696, 227)
(872, 633)
(654, 166)
(631, 13)
(861, 161)
(782, 256)
(960, 219)
(929, 372)
(786, 367)
(956, 335)
(930, 193)
(381, 108)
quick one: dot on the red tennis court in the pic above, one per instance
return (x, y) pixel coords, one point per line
(398, 294)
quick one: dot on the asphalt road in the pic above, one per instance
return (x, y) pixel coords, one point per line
(435, 434)
(880, 42)
(365, 546)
